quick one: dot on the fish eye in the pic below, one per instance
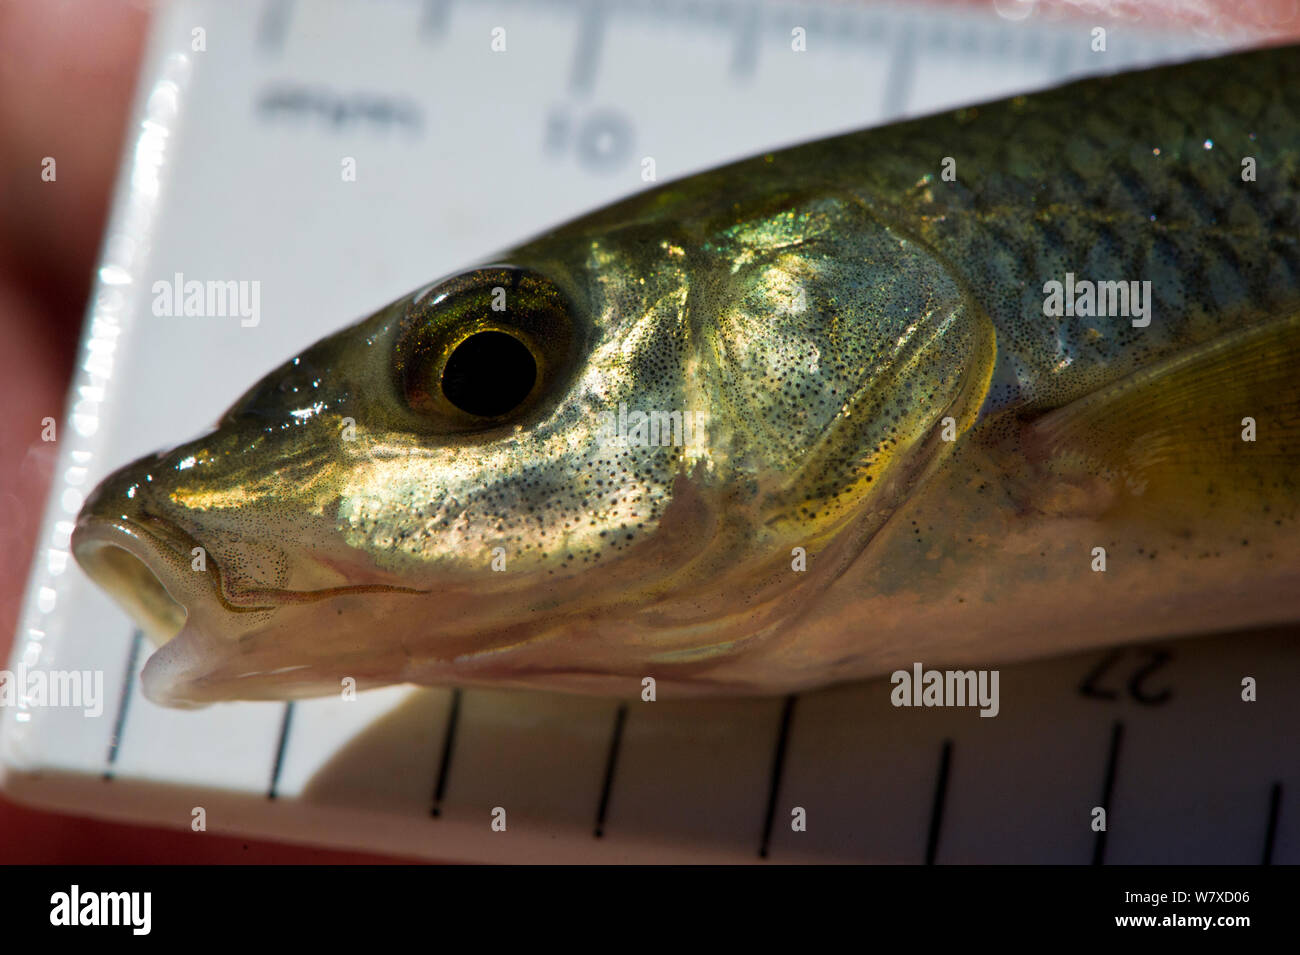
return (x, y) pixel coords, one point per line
(489, 374)
(483, 349)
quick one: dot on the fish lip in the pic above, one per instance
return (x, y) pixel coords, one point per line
(145, 566)
(164, 552)
(176, 606)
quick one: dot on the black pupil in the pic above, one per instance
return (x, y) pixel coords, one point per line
(489, 374)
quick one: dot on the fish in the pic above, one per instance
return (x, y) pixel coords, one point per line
(1004, 382)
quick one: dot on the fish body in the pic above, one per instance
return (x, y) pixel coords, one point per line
(805, 418)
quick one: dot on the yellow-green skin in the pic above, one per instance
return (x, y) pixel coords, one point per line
(900, 457)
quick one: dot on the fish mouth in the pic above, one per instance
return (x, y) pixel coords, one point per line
(148, 571)
(203, 632)
(146, 565)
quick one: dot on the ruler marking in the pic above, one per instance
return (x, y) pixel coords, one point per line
(744, 55)
(280, 748)
(123, 702)
(898, 83)
(970, 42)
(586, 55)
(273, 25)
(813, 20)
(433, 19)
(873, 31)
(936, 39)
(846, 23)
(448, 749)
(1270, 833)
(778, 767)
(1000, 46)
(611, 761)
(1063, 62)
(1107, 789)
(940, 798)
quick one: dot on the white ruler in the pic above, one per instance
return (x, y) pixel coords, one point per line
(233, 172)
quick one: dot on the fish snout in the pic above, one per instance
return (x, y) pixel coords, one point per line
(152, 567)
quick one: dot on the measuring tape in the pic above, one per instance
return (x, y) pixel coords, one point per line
(342, 154)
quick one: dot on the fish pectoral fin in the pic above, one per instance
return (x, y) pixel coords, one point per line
(1213, 431)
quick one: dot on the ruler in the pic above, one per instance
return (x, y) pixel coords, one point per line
(246, 114)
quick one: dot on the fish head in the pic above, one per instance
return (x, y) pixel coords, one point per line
(582, 465)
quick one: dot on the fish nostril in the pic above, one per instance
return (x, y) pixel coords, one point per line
(134, 585)
(281, 391)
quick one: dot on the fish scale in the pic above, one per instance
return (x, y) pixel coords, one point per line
(1070, 179)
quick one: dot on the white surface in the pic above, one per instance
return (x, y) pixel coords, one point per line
(489, 153)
